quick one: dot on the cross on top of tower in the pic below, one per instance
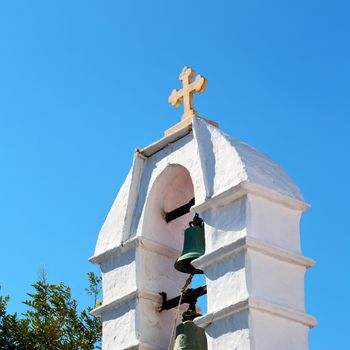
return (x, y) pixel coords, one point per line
(186, 93)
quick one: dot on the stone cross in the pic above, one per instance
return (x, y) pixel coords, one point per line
(186, 93)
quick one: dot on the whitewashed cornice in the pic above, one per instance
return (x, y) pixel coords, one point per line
(244, 243)
(260, 305)
(124, 299)
(244, 188)
(130, 244)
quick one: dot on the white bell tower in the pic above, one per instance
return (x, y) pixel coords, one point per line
(253, 264)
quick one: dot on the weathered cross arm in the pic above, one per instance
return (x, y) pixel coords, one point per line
(175, 98)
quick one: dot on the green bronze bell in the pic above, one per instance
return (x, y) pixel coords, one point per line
(190, 337)
(194, 247)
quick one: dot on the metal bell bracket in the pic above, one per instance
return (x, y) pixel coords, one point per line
(190, 296)
(178, 212)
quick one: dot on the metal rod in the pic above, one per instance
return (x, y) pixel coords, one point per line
(176, 213)
(190, 296)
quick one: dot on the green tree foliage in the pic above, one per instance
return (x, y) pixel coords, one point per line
(52, 320)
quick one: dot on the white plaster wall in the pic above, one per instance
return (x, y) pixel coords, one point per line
(156, 273)
(120, 327)
(275, 281)
(119, 276)
(225, 225)
(155, 328)
(269, 332)
(226, 282)
(273, 223)
(230, 333)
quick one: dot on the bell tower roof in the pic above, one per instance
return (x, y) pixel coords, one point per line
(219, 165)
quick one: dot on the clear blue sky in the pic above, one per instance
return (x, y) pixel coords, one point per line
(83, 83)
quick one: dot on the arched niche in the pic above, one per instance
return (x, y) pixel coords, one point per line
(172, 188)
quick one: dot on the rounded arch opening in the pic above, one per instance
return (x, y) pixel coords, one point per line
(171, 189)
